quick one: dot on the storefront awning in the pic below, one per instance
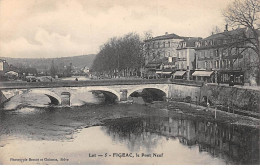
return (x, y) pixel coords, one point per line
(11, 73)
(167, 72)
(179, 73)
(202, 73)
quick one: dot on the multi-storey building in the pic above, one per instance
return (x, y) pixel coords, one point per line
(222, 58)
(161, 53)
(185, 64)
(4, 67)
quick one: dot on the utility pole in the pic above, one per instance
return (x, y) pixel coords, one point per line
(118, 65)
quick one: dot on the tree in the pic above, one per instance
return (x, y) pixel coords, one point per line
(119, 54)
(53, 70)
(246, 13)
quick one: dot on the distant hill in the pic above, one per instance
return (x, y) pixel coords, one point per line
(45, 63)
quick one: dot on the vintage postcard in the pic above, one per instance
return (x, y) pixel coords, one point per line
(129, 82)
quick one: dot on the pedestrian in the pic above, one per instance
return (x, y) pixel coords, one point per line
(218, 78)
(208, 105)
(242, 79)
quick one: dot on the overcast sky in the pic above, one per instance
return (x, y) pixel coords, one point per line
(58, 28)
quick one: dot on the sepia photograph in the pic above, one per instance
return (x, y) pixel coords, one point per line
(129, 82)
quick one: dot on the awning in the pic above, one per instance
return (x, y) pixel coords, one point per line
(202, 73)
(12, 73)
(179, 73)
(158, 72)
(167, 72)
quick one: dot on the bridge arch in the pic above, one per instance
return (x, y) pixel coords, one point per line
(147, 87)
(55, 99)
(108, 93)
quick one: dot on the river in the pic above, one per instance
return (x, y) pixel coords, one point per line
(92, 132)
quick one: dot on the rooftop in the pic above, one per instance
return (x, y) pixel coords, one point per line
(166, 36)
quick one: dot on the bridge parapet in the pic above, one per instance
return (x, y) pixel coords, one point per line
(107, 82)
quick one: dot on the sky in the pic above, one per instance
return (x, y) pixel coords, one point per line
(60, 28)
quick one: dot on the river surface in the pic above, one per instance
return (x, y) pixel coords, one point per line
(91, 132)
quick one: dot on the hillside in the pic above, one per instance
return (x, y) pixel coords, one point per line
(45, 63)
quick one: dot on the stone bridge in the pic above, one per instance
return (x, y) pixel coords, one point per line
(60, 93)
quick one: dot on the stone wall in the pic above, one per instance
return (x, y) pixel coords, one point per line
(227, 96)
(184, 91)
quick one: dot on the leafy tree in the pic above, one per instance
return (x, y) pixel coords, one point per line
(119, 54)
(53, 70)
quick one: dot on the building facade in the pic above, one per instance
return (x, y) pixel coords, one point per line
(4, 67)
(221, 58)
(161, 54)
(185, 64)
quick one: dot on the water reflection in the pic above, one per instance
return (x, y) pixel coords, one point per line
(234, 144)
(138, 128)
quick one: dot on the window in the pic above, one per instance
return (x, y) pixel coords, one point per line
(210, 54)
(164, 44)
(203, 54)
(225, 52)
(153, 45)
(158, 44)
(158, 54)
(184, 44)
(217, 64)
(169, 44)
(216, 53)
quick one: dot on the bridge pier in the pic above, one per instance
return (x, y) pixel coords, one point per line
(65, 98)
(123, 95)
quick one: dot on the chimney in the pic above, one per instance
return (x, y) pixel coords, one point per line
(226, 27)
(166, 33)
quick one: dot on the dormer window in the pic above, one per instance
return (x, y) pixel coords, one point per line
(196, 44)
(184, 44)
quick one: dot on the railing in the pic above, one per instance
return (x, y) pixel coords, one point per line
(103, 82)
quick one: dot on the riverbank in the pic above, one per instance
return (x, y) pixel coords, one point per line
(200, 112)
